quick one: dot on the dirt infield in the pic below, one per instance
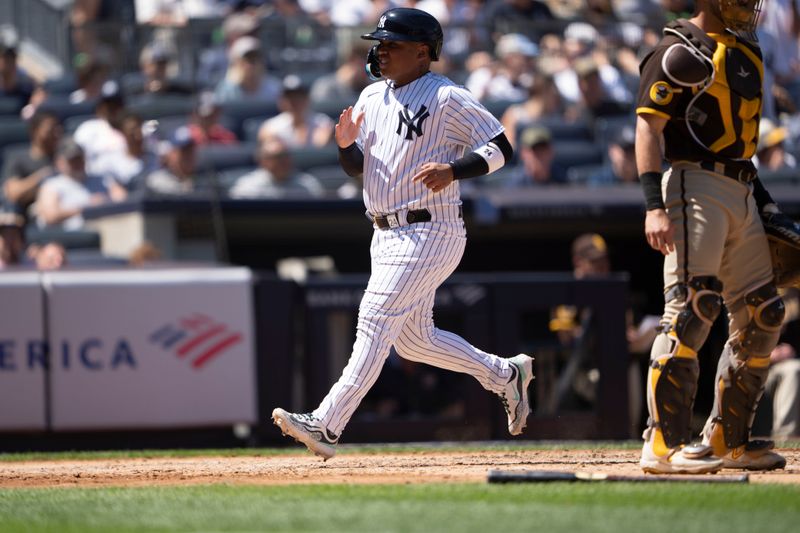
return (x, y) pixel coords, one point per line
(347, 468)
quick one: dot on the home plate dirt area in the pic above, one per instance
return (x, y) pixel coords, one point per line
(350, 467)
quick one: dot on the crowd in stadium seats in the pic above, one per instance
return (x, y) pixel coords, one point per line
(172, 97)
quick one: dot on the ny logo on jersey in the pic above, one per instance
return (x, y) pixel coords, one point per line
(414, 124)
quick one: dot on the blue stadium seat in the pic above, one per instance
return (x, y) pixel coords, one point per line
(333, 108)
(157, 106)
(331, 176)
(577, 153)
(61, 86)
(239, 111)
(13, 131)
(10, 106)
(219, 157)
(250, 128)
(561, 129)
(71, 123)
(63, 108)
(309, 157)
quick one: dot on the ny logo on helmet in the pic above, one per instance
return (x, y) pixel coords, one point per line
(413, 123)
(382, 21)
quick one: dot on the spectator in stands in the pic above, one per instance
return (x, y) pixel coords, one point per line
(91, 72)
(297, 125)
(510, 78)
(348, 80)
(246, 78)
(130, 167)
(594, 101)
(63, 197)
(50, 256)
(14, 82)
(772, 155)
(180, 161)
(12, 239)
(621, 165)
(537, 160)
(156, 60)
(584, 46)
(782, 388)
(101, 135)
(25, 172)
(205, 126)
(544, 102)
(276, 176)
(214, 60)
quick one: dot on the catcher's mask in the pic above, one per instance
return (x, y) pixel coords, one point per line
(740, 16)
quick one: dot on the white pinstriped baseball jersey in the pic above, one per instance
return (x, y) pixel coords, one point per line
(428, 120)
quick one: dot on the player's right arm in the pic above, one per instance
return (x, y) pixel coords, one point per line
(658, 228)
(346, 132)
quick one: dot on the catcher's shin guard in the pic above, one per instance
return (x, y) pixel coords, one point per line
(742, 372)
(672, 378)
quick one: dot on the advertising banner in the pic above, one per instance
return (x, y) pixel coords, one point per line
(151, 348)
(22, 352)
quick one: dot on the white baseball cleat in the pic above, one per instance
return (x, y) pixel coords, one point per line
(689, 459)
(515, 396)
(306, 429)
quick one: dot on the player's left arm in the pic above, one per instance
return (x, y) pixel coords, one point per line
(483, 160)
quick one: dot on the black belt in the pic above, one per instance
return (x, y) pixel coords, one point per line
(744, 173)
(393, 220)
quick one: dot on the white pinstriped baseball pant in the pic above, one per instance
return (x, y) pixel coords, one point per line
(408, 265)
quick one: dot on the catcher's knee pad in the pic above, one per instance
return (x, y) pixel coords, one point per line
(765, 310)
(702, 304)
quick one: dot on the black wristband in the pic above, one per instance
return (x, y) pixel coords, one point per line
(469, 166)
(352, 160)
(651, 185)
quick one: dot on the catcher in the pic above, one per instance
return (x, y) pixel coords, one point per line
(701, 96)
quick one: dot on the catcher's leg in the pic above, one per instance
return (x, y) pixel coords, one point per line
(672, 381)
(741, 374)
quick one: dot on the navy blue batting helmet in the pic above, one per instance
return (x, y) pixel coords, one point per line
(407, 24)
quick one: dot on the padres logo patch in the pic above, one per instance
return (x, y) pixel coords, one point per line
(661, 92)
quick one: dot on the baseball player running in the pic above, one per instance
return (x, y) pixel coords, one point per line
(701, 92)
(412, 136)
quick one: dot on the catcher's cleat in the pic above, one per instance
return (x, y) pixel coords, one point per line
(306, 429)
(515, 396)
(753, 455)
(685, 459)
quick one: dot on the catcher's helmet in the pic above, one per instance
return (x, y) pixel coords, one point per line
(407, 24)
(740, 16)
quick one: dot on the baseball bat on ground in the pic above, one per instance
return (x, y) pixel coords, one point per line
(543, 476)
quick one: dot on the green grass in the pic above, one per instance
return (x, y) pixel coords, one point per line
(555, 507)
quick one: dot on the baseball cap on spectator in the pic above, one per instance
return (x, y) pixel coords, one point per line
(181, 138)
(69, 149)
(770, 134)
(515, 43)
(9, 41)
(206, 104)
(582, 32)
(111, 92)
(293, 83)
(534, 136)
(243, 46)
(589, 246)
